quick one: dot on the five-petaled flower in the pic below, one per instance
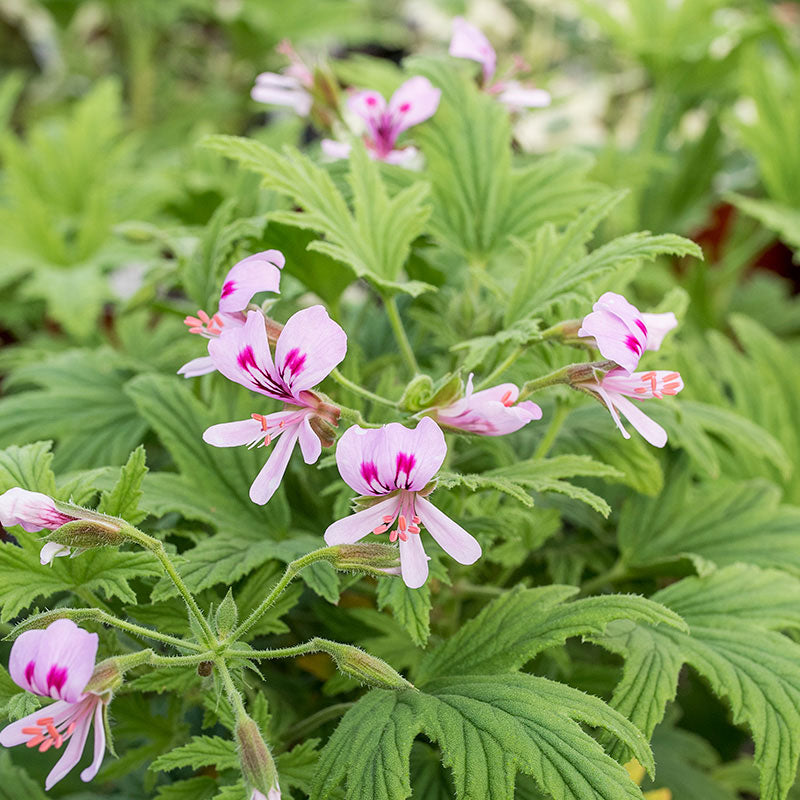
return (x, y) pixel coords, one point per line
(616, 386)
(289, 87)
(34, 511)
(469, 42)
(490, 412)
(398, 464)
(413, 102)
(622, 332)
(58, 662)
(257, 273)
(310, 345)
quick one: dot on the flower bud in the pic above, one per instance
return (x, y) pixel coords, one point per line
(86, 533)
(368, 559)
(325, 430)
(580, 373)
(355, 663)
(255, 758)
(106, 678)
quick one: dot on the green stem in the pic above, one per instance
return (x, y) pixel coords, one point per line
(280, 652)
(157, 549)
(552, 432)
(354, 387)
(291, 571)
(234, 696)
(400, 334)
(616, 572)
(151, 659)
(356, 417)
(551, 379)
(136, 630)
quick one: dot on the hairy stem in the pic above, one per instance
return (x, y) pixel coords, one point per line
(400, 334)
(234, 695)
(151, 659)
(291, 571)
(354, 387)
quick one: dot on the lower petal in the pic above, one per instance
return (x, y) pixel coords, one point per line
(99, 744)
(310, 445)
(334, 149)
(73, 750)
(413, 561)
(606, 397)
(269, 479)
(12, 734)
(233, 434)
(647, 427)
(197, 367)
(358, 525)
(450, 536)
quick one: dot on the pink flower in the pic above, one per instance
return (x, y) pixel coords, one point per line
(273, 794)
(34, 511)
(616, 386)
(398, 463)
(413, 102)
(491, 412)
(469, 42)
(622, 332)
(257, 273)
(58, 662)
(288, 87)
(310, 345)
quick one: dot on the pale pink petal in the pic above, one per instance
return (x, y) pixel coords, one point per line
(274, 793)
(643, 385)
(369, 105)
(516, 96)
(52, 550)
(310, 445)
(618, 328)
(414, 101)
(334, 149)
(450, 536)
(196, 367)
(658, 326)
(248, 431)
(30, 510)
(413, 561)
(99, 745)
(282, 90)
(609, 398)
(55, 662)
(350, 529)
(310, 345)
(74, 748)
(469, 42)
(414, 455)
(12, 734)
(257, 273)
(405, 157)
(242, 355)
(648, 428)
(360, 454)
(269, 479)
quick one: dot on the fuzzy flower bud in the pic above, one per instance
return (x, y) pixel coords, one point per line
(355, 663)
(256, 760)
(368, 559)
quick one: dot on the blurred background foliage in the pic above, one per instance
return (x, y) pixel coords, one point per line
(113, 219)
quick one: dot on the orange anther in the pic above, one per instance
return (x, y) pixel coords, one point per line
(640, 390)
(70, 729)
(203, 316)
(403, 536)
(31, 731)
(46, 745)
(388, 518)
(218, 321)
(267, 440)
(37, 740)
(413, 529)
(401, 523)
(506, 399)
(670, 391)
(193, 321)
(393, 536)
(416, 520)
(672, 376)
(45, 721)
(651, 377)
(380, 529)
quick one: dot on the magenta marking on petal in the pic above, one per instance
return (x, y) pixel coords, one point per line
(246, 357)
(227, 288)
(371, 101)
(29, 670)
(56, 678)
(405, 463)
(633, 345)
(642, 326)
(294, 361)
(369, 472)
(405, 107)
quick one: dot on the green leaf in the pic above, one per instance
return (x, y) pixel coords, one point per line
(167, 679)
(28, 467)
(123, 499)
(296, 767)
(488, 728)
(732, 616)
(483, 481)
(516, 626)
(721, 523)
(200, 751)
(200, 788)
(373, 239)
(410, 607)
(16, 782)
(779, 217)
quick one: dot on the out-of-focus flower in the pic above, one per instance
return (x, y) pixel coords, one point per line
(58, 662)
(398, 463)
(616, 386)
(310, 345)
(490, 412)
(622, 332)
(469, 42)
(257, 273)
(289, 87)
(413, 102)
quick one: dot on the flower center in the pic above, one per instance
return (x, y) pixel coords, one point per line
(669, 386)
(506, 399)
(45, 734)
(404, 513)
